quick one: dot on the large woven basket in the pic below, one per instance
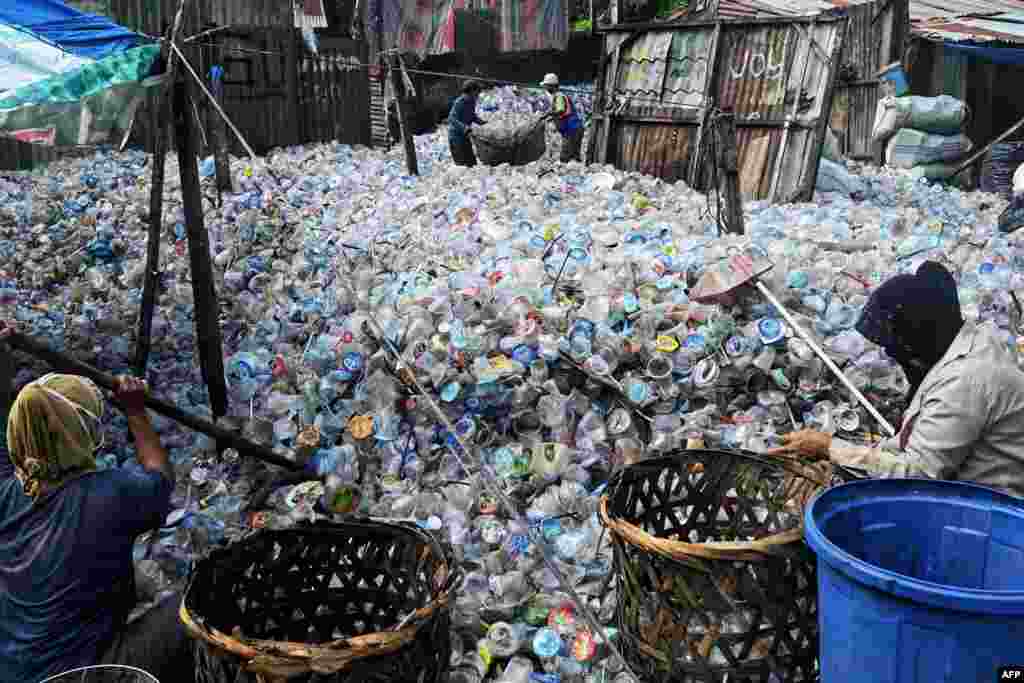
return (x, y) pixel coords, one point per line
(340, 603)
(104, 673)
(714, 578)
(526, 145)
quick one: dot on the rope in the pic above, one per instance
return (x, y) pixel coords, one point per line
(353, 63)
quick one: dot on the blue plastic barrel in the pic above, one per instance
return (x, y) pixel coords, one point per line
(918, 581)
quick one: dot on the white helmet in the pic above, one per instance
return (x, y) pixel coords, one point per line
(550, 79)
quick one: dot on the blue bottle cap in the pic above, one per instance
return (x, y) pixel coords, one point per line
(466, 427)
(797, 279)
(639, 392)
(630, 302)
(546, 643)
(524, 354)
(584, 327)
(769, 330)
(473, 404)
(353, 361)
(694, 341)
(450, 391)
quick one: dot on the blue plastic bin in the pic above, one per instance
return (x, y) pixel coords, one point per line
(918, 581)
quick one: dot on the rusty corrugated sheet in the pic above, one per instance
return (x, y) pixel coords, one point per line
(754, 70)
(654, 149)
(770, 75)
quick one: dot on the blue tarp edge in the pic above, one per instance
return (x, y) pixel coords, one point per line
(81, 34)
(999, 55)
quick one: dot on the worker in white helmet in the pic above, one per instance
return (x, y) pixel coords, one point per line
(568, 121)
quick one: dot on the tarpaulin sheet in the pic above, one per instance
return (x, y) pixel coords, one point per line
(428, 26)
(83, 106)
(999, 55)
(25, 59)
(81, 34)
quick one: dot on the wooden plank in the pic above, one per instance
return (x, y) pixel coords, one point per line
(609, 119)
(207, 310)
(697, 162)
(291, 79)
(402, 103)
(729, 23)
(728, 172)
(218, 129)
(825, 114)
(160, 131)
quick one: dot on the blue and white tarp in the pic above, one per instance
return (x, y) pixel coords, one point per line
(66, 77)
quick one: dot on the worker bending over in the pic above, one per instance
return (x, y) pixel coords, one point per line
(965, 420)
(460, 121)
(563, 112)
(67, 530)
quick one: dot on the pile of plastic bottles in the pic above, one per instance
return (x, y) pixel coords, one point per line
(542, 310)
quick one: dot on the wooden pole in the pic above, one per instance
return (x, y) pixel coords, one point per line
(218, 131)
(401, 102)
(728, 172)
(291, 76)
(143, 341)
(156, 211)
(66, 363)
(207, 310)
(984, 150)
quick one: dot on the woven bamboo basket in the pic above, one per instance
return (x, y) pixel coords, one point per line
(714, 580)
(104, 673)
(526, 145)
(339, 603)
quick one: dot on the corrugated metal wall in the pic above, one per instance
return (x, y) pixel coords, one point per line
(776, 76)
(151, 16)
(875, 37)
(333, 87)
(16, 155)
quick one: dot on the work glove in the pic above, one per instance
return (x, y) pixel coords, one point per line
(806, 443)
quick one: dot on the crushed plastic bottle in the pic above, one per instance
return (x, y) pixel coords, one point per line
(542, 309)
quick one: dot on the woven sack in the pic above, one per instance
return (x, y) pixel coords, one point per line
(521, 146)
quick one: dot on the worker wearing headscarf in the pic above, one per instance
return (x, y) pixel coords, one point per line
(461, 119)
(566, 118)
(965, 419)
(67, 532)
(53, 432)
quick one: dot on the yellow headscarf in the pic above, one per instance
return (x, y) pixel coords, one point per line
(54, 430)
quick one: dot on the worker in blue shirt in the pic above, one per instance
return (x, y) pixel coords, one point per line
(460, 121)
(67, 532)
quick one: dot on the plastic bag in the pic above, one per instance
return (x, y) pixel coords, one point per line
(909, 148)
(833, 177)
(943, 115)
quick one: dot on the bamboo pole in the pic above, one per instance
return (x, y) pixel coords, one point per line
(207, 313)
(66, 363)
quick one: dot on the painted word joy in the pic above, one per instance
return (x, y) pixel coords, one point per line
(756, 64)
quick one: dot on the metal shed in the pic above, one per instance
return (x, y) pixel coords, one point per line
(658, 82)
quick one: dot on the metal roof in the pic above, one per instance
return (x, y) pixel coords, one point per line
(952, 20)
